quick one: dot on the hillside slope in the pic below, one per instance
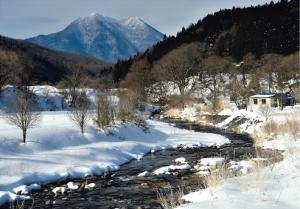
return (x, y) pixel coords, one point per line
(45, 65)
(271, 28)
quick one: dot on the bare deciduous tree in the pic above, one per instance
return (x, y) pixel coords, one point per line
(139, 77)
(73, 81)
(269, 63)
(79, 113)
(179, 66)
(266, 112)
(213, 78)
(23, 112)
(105, 112)
(127, 102)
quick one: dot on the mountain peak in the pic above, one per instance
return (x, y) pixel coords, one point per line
(103, 37)
(91, 17)
(133, 21)
(93, 14)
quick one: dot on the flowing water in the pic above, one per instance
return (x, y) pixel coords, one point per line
(125, 189)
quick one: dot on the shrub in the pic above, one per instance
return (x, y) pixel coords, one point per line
(79, 113)
(126, 107)
(266, 112)
(127, 104)
(105, 112)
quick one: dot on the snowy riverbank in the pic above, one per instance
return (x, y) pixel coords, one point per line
(56, 150)
(276, 186)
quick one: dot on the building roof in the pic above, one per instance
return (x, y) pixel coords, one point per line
(266, 95)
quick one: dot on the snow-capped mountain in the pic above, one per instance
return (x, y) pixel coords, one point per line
(102, 37)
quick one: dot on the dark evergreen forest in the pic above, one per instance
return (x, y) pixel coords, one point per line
(270, 28)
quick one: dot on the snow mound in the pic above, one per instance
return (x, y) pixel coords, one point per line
(180, 160)
(168, 169)
(72, 186)
(26, 189)
(59, 190)
(145, 173)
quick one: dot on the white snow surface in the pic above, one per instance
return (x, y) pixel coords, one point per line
(55, 150)
(90, 186)
(212, 162)
(180, 160)
(169, 168)
(273, 187)
(72, 186)
(145, 173)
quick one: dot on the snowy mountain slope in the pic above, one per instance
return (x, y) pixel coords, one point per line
(102, 37)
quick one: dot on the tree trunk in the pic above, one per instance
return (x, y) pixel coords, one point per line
(24, 135)
(281, 102)
(182, 99)
(81, 129)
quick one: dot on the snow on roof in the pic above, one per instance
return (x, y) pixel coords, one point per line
(264, 95)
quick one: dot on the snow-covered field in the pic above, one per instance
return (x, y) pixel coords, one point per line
(276, 186)
(56, 150)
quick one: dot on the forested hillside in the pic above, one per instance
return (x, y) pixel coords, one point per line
(268, 29)
(37, 64)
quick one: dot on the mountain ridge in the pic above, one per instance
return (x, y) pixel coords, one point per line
(102, 37)
(43, 65)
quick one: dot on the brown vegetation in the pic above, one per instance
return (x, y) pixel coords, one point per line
(79, 112)
(105, 112)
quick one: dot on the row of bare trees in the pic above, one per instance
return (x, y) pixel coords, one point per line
(196, 67)
(23, 111)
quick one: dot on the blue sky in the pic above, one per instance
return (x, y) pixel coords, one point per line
(27, 18)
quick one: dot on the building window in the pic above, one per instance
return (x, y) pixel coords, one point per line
(263, 101)
(255, 101)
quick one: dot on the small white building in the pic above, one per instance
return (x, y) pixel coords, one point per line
(264, 100)
(272, 100)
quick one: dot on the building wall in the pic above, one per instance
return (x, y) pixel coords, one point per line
(270, 102)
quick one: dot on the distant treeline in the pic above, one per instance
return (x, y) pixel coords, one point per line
(268, 29)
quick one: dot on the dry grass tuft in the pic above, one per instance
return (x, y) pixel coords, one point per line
(217, 177)
(20, 204)
(270, 128)
(257, 138)
(171, 198)
(257, 177)
(292, 127)
(173, 113)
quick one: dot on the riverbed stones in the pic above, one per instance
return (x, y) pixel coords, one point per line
(48, 202)
(111, 192)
